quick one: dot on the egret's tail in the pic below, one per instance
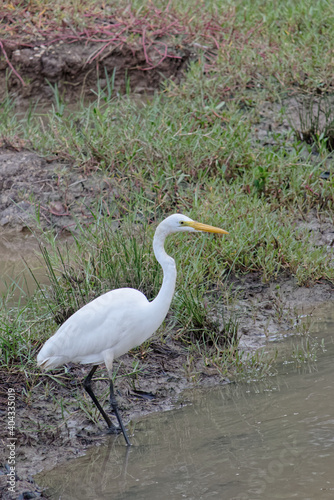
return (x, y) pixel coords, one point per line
(50, 361)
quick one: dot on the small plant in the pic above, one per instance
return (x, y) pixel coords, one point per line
(306, 350)
(316, 119)
(199, 320)
(106, 93)
(59, 105)
(234, 363)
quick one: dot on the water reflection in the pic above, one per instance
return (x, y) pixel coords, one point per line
(273, 439)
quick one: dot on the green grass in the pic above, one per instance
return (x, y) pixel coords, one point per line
(193, 148)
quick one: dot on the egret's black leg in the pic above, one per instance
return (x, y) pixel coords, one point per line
(114, 406)
(87, 385)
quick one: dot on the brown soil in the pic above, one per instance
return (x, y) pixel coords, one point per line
(76, 70)
(31, 184)
(45, 436)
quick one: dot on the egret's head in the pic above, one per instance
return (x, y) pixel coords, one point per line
(181, 223)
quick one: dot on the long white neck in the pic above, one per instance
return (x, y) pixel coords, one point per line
(162, 301)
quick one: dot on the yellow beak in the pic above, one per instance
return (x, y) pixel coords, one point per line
(204, 227)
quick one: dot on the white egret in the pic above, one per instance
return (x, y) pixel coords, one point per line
(118, 320)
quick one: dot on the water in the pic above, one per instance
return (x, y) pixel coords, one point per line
(257, 441)
(15, 278)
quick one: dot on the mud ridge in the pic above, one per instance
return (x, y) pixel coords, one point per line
(77, 67)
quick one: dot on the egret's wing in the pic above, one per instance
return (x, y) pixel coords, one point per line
(102, 324)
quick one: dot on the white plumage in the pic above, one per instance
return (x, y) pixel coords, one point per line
(105, 323)
(118, 320)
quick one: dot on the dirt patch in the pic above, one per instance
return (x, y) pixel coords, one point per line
(78, 68)
(266, 311)
(54, 192)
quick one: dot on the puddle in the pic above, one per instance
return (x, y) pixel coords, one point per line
(15, 277)
(16, 252)
(272, 439)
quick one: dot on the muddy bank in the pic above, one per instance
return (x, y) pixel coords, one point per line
(77, 67)
(51, 425)
(48, 433)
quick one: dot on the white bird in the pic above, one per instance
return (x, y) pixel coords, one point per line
(118, 320)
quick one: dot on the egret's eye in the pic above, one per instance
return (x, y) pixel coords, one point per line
(182, 222)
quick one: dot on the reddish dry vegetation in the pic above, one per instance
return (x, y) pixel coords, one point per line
(74, 49)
